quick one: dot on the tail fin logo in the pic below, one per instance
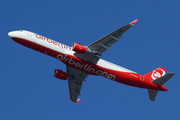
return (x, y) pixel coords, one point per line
(157, 73)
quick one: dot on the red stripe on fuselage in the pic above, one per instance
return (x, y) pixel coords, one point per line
(36, 47)
(128, 78)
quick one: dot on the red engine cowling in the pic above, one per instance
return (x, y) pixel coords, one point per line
(77, 47)
(60, 74)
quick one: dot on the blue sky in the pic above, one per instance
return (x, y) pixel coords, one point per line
(28, 89)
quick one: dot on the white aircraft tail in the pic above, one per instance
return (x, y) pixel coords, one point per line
(158, 81)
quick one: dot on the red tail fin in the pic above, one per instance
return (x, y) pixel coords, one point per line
(157, 73)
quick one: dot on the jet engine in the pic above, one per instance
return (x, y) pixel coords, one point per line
(60, 74)
(77, 47)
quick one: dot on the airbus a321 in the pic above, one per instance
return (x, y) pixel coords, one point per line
(82, 61)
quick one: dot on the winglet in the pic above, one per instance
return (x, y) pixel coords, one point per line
(78, 100)
(134, 22)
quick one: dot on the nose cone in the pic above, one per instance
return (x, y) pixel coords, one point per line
(12, 34)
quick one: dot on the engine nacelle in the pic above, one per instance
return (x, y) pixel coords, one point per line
(60, 74)
(77, 47)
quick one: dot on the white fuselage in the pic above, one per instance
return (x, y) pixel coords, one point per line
(66, 55)
(59, 47)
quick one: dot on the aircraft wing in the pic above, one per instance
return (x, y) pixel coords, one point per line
(75, 81)
(106, 42)
(103, 44)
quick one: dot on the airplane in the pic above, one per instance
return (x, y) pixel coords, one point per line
(82, 61)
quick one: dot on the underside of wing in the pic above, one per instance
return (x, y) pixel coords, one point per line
(75, 81)
(103, 44)
(106, 42)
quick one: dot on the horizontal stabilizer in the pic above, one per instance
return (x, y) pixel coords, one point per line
(159, 81)
(152, 94)
(155, 74)
(163, 79)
